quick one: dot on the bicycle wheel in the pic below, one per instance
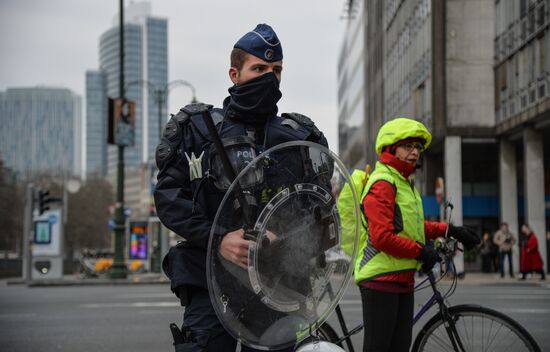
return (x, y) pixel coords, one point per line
(478, 328)
(327, 333)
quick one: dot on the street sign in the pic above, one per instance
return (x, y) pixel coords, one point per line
(42, 232)
(47, 239)
(439, 190)
(121, 123)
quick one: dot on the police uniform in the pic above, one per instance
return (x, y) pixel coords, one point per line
(188, 194)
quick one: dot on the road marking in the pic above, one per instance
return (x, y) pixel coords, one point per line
(147, 295)
(543, 297)
(17, 315)
(350, 301)
(525, 310)
(130, 305)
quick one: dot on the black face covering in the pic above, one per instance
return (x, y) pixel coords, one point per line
(256, 100)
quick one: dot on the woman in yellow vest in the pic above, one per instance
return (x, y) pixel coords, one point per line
(394, 247)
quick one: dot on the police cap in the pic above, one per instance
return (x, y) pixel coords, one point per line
(261, 42)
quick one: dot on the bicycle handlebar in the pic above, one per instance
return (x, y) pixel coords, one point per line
(446, 246)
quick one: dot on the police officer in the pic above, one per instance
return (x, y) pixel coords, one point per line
(190, 182)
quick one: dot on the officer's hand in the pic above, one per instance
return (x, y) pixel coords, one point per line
(234, 248)
(428, 256)
(271, 236)
(464, 235)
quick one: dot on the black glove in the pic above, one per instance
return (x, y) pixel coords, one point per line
(464, 235)
(428, 256)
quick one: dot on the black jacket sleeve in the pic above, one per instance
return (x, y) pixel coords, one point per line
(175, 207)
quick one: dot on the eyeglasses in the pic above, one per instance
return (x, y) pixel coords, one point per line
(410, 146)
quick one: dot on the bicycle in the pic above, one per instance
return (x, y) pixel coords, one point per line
(462, 328)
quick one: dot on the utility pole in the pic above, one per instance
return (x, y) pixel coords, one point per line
(118, 269)
(28, 233)
(160, 96)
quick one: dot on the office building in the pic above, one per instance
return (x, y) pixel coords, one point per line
(476, 73)
(145, 66)
(96, 123)
(352, 93)
(40, 132)
(522, 113)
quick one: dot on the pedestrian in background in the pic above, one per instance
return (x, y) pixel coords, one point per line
(486, 249)
(531, 260)
(505, 241)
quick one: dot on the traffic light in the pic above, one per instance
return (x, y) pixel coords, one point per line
(44, 200)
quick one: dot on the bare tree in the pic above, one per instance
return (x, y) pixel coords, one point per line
(11, 214)
(87, 223)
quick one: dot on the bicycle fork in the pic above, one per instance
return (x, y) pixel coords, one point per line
(448, 321)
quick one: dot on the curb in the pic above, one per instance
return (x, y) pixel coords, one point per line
(135, 280)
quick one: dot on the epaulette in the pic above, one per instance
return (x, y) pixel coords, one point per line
(172, 134)
(307, 123)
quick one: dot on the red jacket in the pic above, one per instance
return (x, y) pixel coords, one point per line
(531, 259)
(379, 204)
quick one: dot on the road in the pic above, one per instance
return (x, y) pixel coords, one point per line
(528, 305)
(136, 317)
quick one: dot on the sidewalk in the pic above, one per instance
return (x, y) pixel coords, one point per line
(479, 279)
(75, 280)
(494, 279)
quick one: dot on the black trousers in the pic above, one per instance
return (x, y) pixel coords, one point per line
(206, 329)
(388, 319)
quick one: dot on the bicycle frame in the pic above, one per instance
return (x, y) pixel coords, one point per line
(439, 299)
(436, 297)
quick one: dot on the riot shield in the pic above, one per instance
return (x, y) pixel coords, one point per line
(285, 201)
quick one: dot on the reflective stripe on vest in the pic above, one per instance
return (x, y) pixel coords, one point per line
(371, 262)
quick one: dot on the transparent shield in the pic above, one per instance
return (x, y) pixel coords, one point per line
(296, 271)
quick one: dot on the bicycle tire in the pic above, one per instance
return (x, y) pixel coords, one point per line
(327, 333)
(479, 329)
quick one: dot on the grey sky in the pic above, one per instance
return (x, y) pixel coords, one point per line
(54, 42)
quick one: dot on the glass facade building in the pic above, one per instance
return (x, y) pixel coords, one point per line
(145, 65)
(109, 64)
(96, 123)
(40, 131)
(351, 88)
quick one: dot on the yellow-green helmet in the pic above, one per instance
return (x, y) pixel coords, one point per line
(399, 129)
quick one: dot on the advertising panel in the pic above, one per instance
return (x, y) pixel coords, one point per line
(138, 240)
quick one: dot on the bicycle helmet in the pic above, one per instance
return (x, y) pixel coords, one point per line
(399, 129)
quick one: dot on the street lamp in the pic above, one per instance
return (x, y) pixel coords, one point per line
(118, 269)
(160, 94)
